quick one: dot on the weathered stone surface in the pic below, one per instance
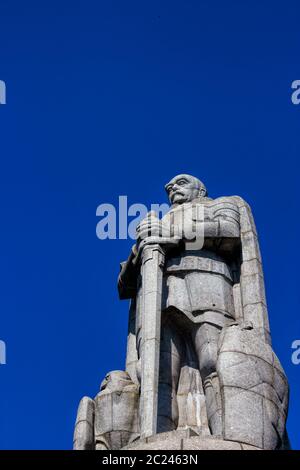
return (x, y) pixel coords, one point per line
(191, 401)
(248, 447)
(84, 427)
(196, 443)
(200, 369)
(251, 248)
(254, 403)
(177, 440)
(111, 420)
(152, 262)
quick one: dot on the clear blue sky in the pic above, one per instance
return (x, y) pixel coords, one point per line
(109, 98)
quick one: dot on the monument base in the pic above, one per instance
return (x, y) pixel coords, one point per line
(186, 440)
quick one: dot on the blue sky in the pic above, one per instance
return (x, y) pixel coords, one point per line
(114, 98)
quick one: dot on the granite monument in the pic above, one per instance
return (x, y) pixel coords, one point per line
(200, 369)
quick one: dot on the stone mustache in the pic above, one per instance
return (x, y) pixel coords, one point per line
(200, 369)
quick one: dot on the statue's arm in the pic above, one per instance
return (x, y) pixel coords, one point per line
(221, 226)
(222, 220)
(127, 280)
(227, 218)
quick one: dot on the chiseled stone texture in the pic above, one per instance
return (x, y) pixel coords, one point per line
(186, 440)
(254, 389)
(84, 427)
(116, 411)
(110, 421)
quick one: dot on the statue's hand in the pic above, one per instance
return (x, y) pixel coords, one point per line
(151, 227)
(152, 231)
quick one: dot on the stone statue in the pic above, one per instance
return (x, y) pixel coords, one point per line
(110, 421)
(200, 369)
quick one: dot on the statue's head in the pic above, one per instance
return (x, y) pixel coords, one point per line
(185, 188)
(115, 380)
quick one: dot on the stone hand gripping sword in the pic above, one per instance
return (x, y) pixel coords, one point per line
(151, 253)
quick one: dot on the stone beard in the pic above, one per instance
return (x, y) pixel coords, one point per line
(200, 369)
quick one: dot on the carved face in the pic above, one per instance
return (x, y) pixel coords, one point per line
(184, 188)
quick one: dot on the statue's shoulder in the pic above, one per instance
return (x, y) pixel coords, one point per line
(229, 202)
(233, 202)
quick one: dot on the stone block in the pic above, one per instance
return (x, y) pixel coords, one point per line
(243, 416)
(250, 246)
(252, 289)
(84, 427)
